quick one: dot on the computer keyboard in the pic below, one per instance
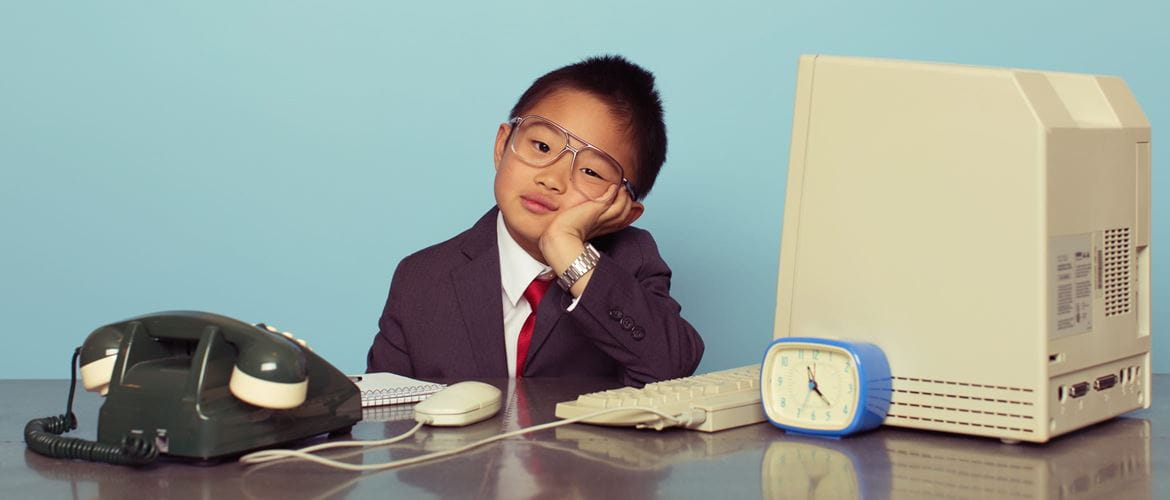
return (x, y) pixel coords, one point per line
(710, 402)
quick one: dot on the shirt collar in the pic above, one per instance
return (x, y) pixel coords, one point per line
(517, 268)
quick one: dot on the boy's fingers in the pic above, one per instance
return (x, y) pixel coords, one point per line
(609, 197)
(627, 205)
(602, 216)
(614, 210)
(621, 208)
(614, 215)
(605, 204)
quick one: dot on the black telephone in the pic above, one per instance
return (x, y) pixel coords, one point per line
(198, 385)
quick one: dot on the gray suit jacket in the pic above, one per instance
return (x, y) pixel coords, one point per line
(444, 316)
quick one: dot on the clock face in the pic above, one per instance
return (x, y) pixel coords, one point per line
(810, 386)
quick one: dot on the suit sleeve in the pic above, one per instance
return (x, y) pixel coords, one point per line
(389, 352)
(628, 313)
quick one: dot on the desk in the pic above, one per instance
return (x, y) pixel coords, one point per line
(1115, 459)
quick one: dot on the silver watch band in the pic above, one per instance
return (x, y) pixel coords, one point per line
(581, 265)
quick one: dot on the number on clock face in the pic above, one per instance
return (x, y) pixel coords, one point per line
(813, 386)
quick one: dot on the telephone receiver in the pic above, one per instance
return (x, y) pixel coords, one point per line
(269, 371)
(198, 385)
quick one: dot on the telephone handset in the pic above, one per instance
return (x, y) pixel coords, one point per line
(199, 385)
(269, 371)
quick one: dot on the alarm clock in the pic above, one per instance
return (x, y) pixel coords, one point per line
(824, 387)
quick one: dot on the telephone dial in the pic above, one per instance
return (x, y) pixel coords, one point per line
(198, 385)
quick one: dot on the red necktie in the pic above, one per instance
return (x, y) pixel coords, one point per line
(532, 294)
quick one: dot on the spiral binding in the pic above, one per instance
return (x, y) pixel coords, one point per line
(396, 395)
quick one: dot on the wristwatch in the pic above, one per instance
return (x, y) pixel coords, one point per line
(581, 265)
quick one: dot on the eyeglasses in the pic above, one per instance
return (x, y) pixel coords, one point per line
(539, 142)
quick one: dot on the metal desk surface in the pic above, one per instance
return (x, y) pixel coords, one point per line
(1115, 459)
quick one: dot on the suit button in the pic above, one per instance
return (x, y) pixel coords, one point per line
(627, 323)
(638, 333)
(616, 314)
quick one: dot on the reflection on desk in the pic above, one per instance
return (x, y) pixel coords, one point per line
(184, 480)
(649, 451)
(1110, 460)
(575, 461)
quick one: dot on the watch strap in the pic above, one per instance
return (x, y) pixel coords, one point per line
(579, 267)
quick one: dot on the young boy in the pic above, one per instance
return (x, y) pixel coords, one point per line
(584, 144)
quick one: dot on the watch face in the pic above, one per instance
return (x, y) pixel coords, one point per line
(810, 386)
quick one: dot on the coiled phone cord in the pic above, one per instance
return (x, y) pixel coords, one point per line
(43, 435)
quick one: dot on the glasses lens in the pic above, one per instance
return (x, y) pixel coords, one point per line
(594, 173)
(538, 142)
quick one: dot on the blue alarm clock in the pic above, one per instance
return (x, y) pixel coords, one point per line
(825, 387)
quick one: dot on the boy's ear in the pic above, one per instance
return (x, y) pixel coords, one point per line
(501, 143)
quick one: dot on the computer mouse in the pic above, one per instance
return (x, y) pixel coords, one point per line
(459, 404)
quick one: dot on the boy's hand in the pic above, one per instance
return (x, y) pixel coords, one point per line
(565, 237)
(592, 218)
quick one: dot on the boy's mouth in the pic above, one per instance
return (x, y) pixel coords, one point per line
(537, 204)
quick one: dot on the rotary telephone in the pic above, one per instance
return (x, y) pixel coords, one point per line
(197, 385)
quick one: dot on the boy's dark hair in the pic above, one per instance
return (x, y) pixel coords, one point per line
(629, 91)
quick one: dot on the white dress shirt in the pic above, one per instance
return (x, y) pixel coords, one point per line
(517, 270)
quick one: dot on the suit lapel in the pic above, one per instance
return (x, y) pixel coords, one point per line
(477, 285)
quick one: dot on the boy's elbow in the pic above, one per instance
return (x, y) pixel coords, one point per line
(698, 356)
(683, 365)
(690, 363)
(374, 360)
(384, 356)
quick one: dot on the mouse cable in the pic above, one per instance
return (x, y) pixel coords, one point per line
(305, 453)
(263, 456)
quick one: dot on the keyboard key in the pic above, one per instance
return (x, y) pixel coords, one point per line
(595, 400)
(723, 399)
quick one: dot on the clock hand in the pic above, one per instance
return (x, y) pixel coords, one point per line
(823, 398)
(812, 383)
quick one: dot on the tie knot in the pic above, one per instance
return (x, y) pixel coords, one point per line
(535, 291)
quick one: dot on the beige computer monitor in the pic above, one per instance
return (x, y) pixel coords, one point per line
(988, 228)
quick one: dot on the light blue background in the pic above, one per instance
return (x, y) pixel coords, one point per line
(274, 160)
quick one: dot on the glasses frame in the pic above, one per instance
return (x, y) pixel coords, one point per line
(515, 124)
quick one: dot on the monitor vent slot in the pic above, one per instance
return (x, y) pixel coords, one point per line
(964, 384)
(1116, 272)
(967, 407)
(962, 410)
(894, 419)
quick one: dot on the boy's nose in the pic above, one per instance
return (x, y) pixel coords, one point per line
(556, 175)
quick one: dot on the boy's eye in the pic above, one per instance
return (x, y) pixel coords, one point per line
(542, 147)
(591, 173)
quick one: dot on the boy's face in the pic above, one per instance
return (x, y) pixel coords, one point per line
(531, 197)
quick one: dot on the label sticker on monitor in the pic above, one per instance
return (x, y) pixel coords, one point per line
(1070, 284)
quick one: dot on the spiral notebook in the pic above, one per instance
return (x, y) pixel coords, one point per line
(387, 413)
(390, 388)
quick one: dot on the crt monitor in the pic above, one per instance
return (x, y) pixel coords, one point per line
(988, 228)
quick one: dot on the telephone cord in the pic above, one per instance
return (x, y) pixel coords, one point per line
(43, 435)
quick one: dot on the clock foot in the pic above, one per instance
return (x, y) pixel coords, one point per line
(1009, 441)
